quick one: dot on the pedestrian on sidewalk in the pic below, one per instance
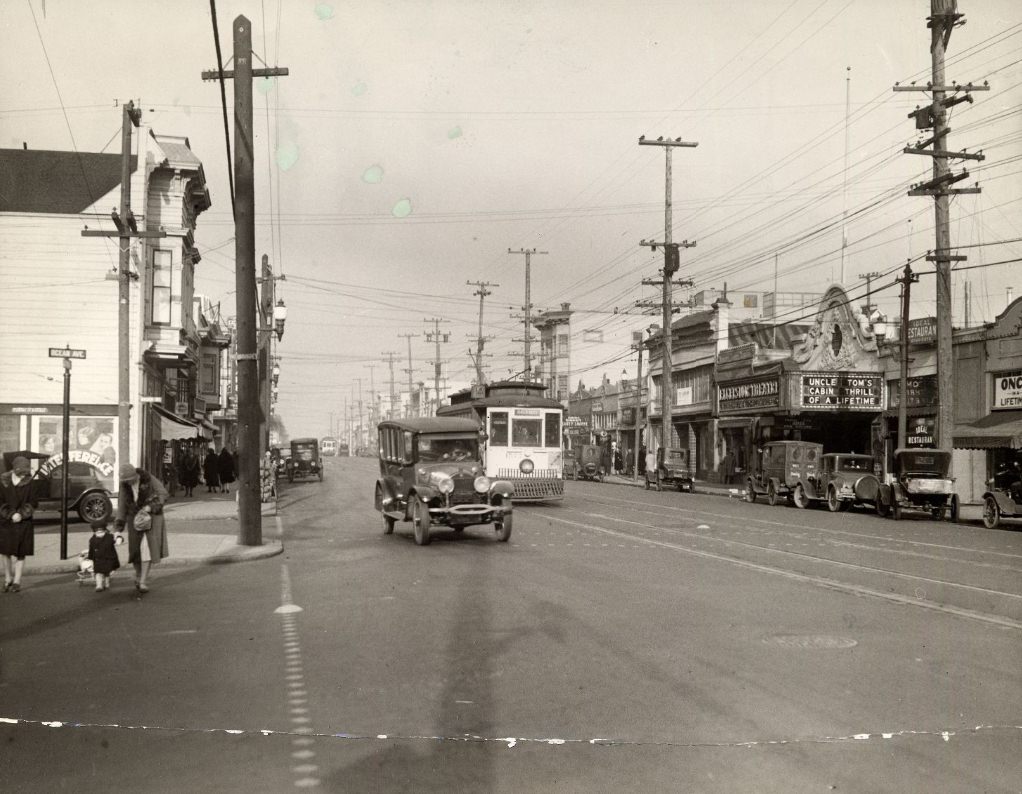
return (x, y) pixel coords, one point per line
(728, 466)
(211, 471)
(103, 553)
(18, 501)
(140, 511)
(189, 473)
(227, 470)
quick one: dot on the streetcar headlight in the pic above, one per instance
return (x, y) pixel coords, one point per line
(482, 484)
(527, 466)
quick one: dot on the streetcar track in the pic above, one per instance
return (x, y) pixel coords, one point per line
(831, 531)
(821, 581)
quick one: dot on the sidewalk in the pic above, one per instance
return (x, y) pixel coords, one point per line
(201, 530)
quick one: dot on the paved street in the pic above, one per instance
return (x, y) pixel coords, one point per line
(623, 640)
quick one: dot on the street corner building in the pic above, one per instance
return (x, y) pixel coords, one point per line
(62, 288)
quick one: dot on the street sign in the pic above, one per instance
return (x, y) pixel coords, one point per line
(66, 352)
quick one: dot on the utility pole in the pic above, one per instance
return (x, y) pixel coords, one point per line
(436, 336)
(410, 370)
(906, 282)
(249, 485)
(481, 340)
(671, 265)
(844, 183)
(638, 408)
(869, 289)
(373, 412)
(127, 229)
(361, 424)
(944, 17)
(393, 391)
(528, 252)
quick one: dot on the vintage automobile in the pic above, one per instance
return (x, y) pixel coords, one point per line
(843, 480)
(304, 461)
(431, 474)
(673, 467)
(589, 463)
(86, 494)
(1003, 499)
(782, 465)
(920, 482)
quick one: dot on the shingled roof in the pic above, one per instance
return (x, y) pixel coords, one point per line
(56, 182)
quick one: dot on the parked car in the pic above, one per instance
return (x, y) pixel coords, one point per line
(589, 462)
(782, 465)
(920, 483)
(431, 474)
(1003, 498)
(673, 467)
(843, 480)
(304, 461)
(86, 493)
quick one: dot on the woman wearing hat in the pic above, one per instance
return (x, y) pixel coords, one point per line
(140, 510)
(18, 500)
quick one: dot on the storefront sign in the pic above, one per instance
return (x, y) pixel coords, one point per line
(683, 395)
(923, 329)
(739, 353)
(628, 416)
(93, 459)
(920, 391)
(738, 397)
(1008, 390)
(921, 432)
(852, 391)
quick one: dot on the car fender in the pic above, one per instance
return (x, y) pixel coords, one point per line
(779, 486)
(898, 493)
(809, 486)
(425, 492)
(386, 488)
(502, 488)
(867, 488)
(1005, 503)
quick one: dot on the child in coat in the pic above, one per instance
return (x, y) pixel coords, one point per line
(103, 553)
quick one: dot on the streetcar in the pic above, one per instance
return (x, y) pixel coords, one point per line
(328, 445)
(522, 435)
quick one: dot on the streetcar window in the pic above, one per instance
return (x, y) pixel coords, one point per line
(552, 437)
(498, 429)
(525, 432)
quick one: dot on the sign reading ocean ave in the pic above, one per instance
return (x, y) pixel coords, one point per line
(1008, 390)
(738, 397)
(854, 391)
(66, 352)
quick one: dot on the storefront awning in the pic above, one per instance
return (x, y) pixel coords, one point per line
(736, 421)
(1000, 429)
(176, 428)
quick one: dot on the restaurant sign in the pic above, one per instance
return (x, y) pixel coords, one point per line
(851, 391)
(741, 397)
(921, 391)
(1008, 390)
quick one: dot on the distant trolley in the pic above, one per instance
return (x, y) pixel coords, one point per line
(523, 440)
(328, 445)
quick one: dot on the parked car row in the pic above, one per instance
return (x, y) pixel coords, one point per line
(799, 473)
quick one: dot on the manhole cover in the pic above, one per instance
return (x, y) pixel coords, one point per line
(810, 641)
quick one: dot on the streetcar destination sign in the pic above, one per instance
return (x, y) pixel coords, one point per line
(856, 391)
(66, 352)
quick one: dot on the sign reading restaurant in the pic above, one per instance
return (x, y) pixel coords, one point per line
(739, 397)
(850, 391)
(1008, 390)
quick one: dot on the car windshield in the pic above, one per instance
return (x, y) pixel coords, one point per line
(435, 450)
(304, 452)
(676, 455)
(855, 464)
(925, 462)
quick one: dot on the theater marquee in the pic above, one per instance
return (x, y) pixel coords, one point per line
(744, 396)
(849, 391)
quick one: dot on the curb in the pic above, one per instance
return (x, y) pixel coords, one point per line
(236, 554)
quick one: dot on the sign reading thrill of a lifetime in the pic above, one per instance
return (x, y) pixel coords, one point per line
(851, 391)
(1008, 390)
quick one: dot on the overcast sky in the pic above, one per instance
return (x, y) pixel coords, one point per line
(414, 143)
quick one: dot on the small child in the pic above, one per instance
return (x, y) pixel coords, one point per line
(103, 554)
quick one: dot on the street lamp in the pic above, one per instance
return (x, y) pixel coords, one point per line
(279, 316)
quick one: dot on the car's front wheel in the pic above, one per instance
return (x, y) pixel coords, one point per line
(833, 503)
(420, 521)
(95, 507)
(772, 494)
(991, 513)
(503, 528)
(801, 500)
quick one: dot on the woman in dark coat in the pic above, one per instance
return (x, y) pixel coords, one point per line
(140, 491)
(18, 500)
(211, 471)
(188, 476)
(226, 469)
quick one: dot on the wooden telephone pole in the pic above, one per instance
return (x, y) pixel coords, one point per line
(481, 340)
(944, 17)
(249, 485)
(126, 230)
(527, 321)
(671, 265)
(436, 336)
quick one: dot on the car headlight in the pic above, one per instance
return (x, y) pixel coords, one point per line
(527, 466)
(443, 482)
(482, 484)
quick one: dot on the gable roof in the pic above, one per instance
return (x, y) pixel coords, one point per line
(56, 182)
